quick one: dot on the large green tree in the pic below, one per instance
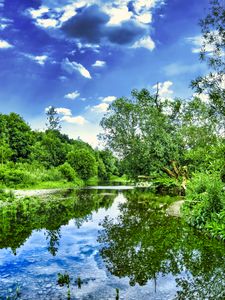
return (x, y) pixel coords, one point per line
(142, 132)
(84, 163)
(20, 137)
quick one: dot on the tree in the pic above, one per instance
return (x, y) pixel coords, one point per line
(50, 150)
(83, 162)
(5, 150)
(53, 120)
(107, 164)
(20, 136)
(213, 53)
(140, 131)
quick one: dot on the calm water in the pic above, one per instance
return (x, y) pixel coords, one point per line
(108, 239)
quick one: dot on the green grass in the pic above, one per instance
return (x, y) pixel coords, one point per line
(53, 185)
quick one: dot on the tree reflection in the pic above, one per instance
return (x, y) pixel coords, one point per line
(143, 243)
(20, 218)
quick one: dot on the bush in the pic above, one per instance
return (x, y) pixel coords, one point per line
(67, 171)
(205, 197)
(6, 196)
(15, 177)
(84, 163)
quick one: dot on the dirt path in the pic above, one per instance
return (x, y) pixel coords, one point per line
(30, 193)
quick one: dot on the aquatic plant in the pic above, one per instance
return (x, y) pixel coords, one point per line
(117, 294)
(63, 279)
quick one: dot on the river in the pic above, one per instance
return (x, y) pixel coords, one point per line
(111, 243)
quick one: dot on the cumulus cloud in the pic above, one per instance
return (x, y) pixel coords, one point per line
(72, 95)
(74, 120)
(163, 88)
(98, 21)
(118, 14)
(74, 67)
(37, 13)
(145, 42)
(88, 25)
(100, 108)
(5, 45)
(39, 59)
(99, 63)
(91, 25)
(67, 116)
(109, 99)
(63, 111)
(197, 42)
(47, 23)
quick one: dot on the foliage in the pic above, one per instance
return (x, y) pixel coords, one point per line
(141, 134)
(67, 172)
(17, 137)
(83, 162)
(63, 279)
(50, 150)
(6, 196)
(205, 197)
(39, 159)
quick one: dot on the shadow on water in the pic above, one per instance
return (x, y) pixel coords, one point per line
(136, 252)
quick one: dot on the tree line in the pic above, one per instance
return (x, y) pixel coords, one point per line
(28, 157)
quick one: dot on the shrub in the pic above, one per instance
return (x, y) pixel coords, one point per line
(67, 171)
(205, 197)
(15, 177)
(84, 163)
(6, 196)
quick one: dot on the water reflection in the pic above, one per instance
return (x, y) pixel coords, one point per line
(20, 218)
(143, 244)
(119, 243)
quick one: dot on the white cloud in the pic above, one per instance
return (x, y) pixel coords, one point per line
(164, 90)
(72, 95)
(99, 63)
(74, 120)
(5, 45)
(100, 108)
(39, 59)
(36, 13)
(53, 14)
(109, 99)
(73, 67)
(63, 111)
(197, 42)
(117, 14)
(67, 115)
(145, 42)
(144, 18)
(4, 23)
(47, 23)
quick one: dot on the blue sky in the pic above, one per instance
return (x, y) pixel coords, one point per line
(80, 55)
